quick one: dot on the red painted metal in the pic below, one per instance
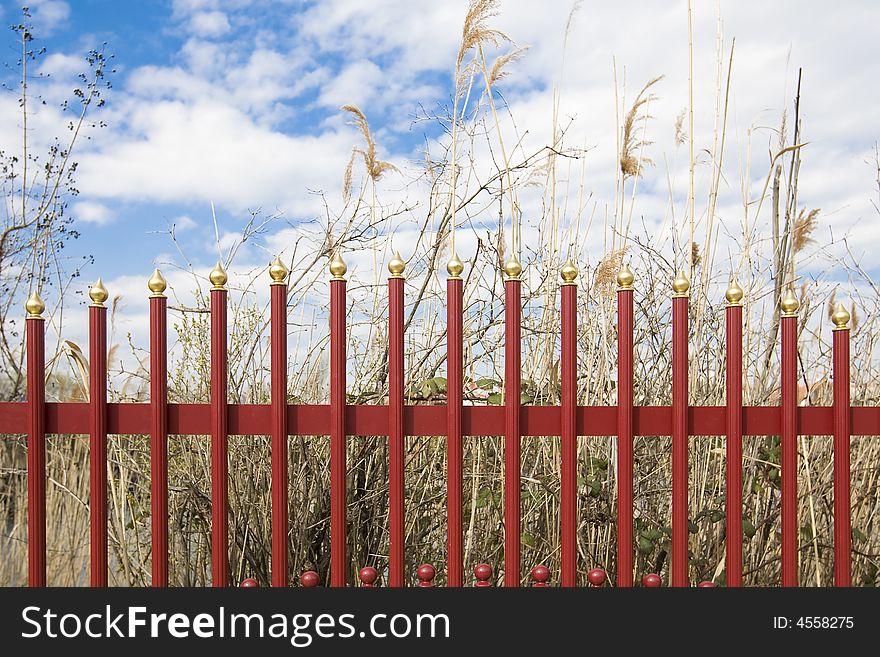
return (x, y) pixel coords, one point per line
(625, 438)
(568, 516)
(309, 579)
(250, 583)
(314, 420)
(734, 494)
(36, 449)
(426, 574)
(512, 435)
(540, 576)
(159, 438)
(679, 565)
(219, 443)
(454, 449)
(789, 436)
(842, 429)
(652, 581)
(278, 340)
(483, 573)
(706, 585)
(98, 444)
(597, 577)
(368, 576)
(338, 515)
(395, 434)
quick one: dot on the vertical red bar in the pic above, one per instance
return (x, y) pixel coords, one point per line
(568, 516)
(454, 450)
(679, 566)
(338, 516)
(789, 440)
(625, 427)
(219, 433)
(734, 495)
(512, 439)
(35, 326)
(159, 427)
(98, 434)
(278, 339)
(842, 431)
(396, 553)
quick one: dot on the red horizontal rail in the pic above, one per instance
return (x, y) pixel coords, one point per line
(364, 420)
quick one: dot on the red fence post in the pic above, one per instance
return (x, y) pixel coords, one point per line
(278, 339)
(98, 434)
(338, 516)
(842, 431)
(219, 432)
(568, 516)
(396, 554)
(454, 451)
(679, 566)
(35, 327)
(789, 320)
(159, 427)
(734, 376)
(625, 280)
(512, 436)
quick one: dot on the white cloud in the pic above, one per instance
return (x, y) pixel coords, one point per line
(209, 23)
(49, 15)
(184, 223)
(91, 212)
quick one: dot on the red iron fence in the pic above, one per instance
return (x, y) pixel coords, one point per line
(681, 421)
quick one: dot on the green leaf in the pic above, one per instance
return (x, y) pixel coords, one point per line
(494, 398)
(645, 546)
(595, 488)
(483, 497)
(716, 516)
(652, 534)
(598, 464)
(748, 528)
(527, 539)
(667, 530)
(859, 536)
(487, 384)
(692, 527)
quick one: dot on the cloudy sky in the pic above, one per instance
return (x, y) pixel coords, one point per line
(236, 103)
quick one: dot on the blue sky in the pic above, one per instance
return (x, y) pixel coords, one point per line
(236, 103)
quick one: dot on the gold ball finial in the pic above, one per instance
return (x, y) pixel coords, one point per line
(98, 294)
(625, 278)
(840, 317)
(337, 267)
(568, 272)
(681, 285)
(157, 284)
(277, 271)
(454, 267)
(789, 303)
(218, 277)
(396, 265)
(734, 294)
(34, 306)
(512, 268)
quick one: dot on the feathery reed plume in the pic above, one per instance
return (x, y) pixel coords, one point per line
(680, 132)
(631, 161)
(375, 167)
(476, 33)
(606, 270)
(497, 71)
(802, 231)
(832, 303)
(853, 316)
(696, 258)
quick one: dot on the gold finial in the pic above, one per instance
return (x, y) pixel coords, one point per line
(568, 272)
(337, 267)
(512, 268)
(277, 271)
(840, 317)
(218, 277)
(789, 303)
(34, 306)
(625, 278)
(98, 294)
(734, 294)
(396, 265)
(157, 284)
(681, 285)
(454, 267)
